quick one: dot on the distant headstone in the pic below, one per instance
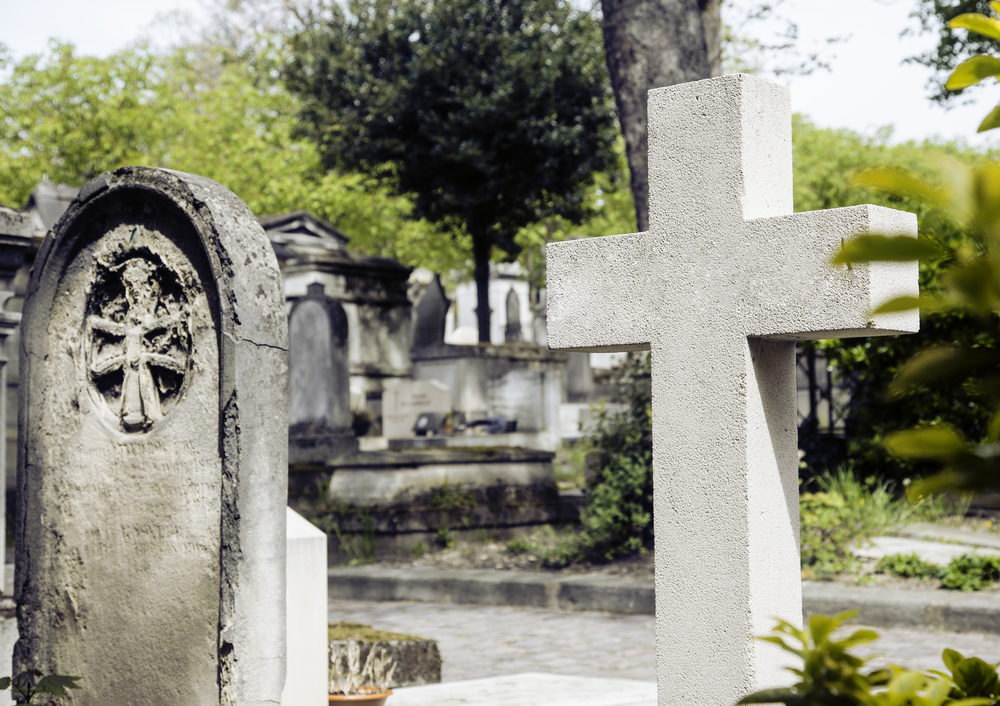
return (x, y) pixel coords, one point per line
(153, 448)
(579, 377)
(512, 331)
(720, 288)
(404, 402)
(319, 379)
(429, 315)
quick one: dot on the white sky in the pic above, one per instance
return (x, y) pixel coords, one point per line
(867, 87)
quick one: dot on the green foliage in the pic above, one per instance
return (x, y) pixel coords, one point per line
(908, 566)
(445, 539)
(72, 117)
(831, 676)
(845, 511)
(28, 684)
(518, 547)
(495, 114)
(825, 161)
(971, 572)
(935, 16)
(446, 498)
(618, 518)
(418, 550)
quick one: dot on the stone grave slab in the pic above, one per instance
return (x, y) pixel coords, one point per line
(152, 457)
(404, 402)
(719, 289)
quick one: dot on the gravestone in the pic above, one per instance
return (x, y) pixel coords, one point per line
(307, 657)
(319, 380)
(512, 331)
(429, 315)
(152, 449)
(720, 288)
(404, 402)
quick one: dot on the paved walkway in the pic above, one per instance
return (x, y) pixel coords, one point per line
(485, 641)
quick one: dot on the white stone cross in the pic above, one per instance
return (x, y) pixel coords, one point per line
(719, 289)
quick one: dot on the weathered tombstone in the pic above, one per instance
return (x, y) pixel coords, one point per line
(512, 331)
(152, 451)
(429, 315)
(319, 379)
(579, 378)
(404, 402)
(719, 289)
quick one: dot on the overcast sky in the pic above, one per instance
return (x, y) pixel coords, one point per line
(868, 86)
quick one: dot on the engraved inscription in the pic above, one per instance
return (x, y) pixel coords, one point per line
(137, 342)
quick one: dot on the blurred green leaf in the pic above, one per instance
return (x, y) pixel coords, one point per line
(56, 684)
(972, 71)
(898, 304)
(942, 363)
(975, 22)
(951, 658)
(990, 121)
(885, 248)
(897, 181)
(940, 442)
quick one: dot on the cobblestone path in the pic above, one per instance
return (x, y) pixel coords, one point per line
(483, 641)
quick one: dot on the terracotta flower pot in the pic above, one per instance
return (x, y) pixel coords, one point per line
(363, 699)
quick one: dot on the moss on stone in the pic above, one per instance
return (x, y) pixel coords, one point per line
(366, 633)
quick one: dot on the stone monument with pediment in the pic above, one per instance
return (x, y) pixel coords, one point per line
(152, 457)
(719, 289)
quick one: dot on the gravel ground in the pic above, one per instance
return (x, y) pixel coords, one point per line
(482, 641)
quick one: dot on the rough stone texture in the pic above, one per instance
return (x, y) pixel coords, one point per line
(417, 661)
(306, 683)
(719, 288)
(152, 449)
(319, 381)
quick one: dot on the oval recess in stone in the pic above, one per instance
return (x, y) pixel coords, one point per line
(137, 339)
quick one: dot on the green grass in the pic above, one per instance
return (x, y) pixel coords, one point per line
(843, 510)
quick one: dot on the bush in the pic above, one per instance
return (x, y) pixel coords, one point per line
(971, 572)
(618, 518)
(908, 566)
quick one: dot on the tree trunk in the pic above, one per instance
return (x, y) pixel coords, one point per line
(481, 249)
(649, 44)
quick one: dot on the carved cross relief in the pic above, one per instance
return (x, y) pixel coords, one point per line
(137, 341)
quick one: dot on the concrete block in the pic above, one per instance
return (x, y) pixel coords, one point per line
(307, 680)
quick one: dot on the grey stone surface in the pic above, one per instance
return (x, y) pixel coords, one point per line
(597, 644)
(579, 377)
(417, 661)
(152, 453)
(939, 553)
(405, 401)
(719, 289)
(521, 382)
(926, 530)
(430, 313)
(532, 689)
(319, 380)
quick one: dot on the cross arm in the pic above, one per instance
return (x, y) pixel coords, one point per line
(794, 292)
(596, 289)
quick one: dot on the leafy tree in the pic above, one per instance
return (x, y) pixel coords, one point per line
(825, 161)
(72, 117)
(493, 113)
(970, 285)
(952, 47)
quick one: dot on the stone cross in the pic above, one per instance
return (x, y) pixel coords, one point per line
(152, 448)
(719, 289)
